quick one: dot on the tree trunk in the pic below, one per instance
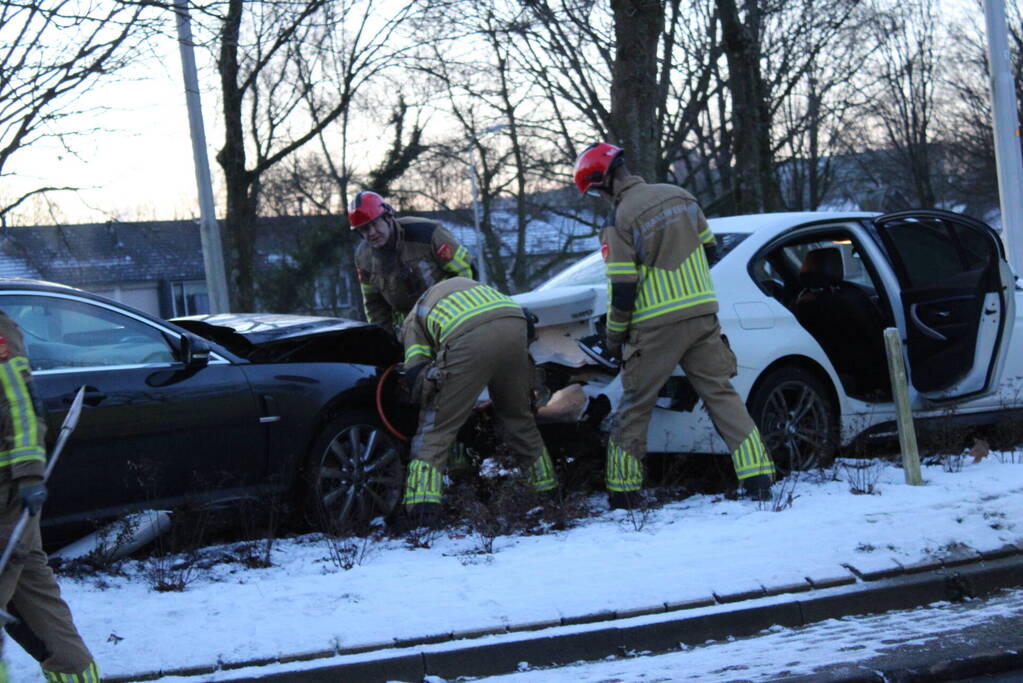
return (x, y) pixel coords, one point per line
(755, 186)
(634, 85)
(240, 217)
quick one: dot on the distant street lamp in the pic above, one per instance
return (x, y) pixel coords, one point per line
(475, 195)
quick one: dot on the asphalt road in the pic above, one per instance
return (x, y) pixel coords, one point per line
(979, 640)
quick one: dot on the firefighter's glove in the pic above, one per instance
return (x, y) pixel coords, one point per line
(531, 320)
(410, 383)
(613, 350)
(32, 494)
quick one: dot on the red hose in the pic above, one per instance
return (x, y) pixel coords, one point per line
(380, 404)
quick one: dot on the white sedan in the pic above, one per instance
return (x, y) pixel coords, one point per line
(804, 299)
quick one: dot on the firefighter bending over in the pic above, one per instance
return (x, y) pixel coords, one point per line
(662, 312)
(463, 336)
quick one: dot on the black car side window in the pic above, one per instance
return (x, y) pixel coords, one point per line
(67, 333)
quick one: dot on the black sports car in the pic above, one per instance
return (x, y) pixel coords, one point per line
(207, 409)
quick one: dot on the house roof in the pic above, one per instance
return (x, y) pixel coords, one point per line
(103, 252)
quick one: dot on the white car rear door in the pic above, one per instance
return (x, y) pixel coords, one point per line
(957, 296)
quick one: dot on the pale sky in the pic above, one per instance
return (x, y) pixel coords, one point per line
(141, 166)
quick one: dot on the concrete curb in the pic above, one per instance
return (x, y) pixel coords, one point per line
(656, 628)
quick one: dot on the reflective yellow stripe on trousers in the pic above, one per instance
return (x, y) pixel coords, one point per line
(423, 484)
(623, 471)
(751, 458)
(90, 675)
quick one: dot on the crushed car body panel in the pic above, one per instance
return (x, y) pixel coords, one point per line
(270, 337)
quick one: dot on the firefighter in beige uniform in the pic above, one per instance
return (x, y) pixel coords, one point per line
(400, 258)
(27, 584)
(663, 310)
(463, 336)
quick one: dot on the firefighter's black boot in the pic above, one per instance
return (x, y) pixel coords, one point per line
(757, 487)
(418, 516)
(623, 500)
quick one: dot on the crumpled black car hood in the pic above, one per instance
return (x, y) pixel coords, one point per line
(279, 337)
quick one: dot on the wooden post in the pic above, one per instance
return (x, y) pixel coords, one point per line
(904, 416)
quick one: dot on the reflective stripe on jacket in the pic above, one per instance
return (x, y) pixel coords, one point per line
(654, 259)
(22, 430)
(449, 309)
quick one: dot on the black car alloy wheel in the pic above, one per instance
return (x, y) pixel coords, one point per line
(796, 419)
(356, 474)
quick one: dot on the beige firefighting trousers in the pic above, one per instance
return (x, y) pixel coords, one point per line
(650, 356)
(28, 584)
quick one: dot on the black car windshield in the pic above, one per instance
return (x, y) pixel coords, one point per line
(589, 270)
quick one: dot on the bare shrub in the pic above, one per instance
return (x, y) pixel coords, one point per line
(861, 475)
(260, 522)
(637, 516)
(562, 512)
(485, 526)
(347, 552)
(420, 537)
(175, 560)
(953, 462)
(783, 493)
(168, 572)
(1010, 457)
(498, 506)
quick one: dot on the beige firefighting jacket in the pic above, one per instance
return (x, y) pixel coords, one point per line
(22, 429)
(424, 253)
(654, 259)
(448, 310)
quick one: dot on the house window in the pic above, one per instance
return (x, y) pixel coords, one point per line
(334, 292)
(190, 298)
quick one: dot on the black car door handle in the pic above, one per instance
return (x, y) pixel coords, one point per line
(93, 397)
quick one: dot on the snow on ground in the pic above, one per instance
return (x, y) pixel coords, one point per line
(305, 603)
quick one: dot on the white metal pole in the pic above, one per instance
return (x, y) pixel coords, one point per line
(212, 251)
(476, 218)
(1006, 130)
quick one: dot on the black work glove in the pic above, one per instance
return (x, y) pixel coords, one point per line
(410, 383)
(613, 349)
(32, 494)
(711, 252)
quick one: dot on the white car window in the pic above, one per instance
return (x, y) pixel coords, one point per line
(587, 271)
(68, 333)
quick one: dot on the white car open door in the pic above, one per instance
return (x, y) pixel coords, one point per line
(958, 300)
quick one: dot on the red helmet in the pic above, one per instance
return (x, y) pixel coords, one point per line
(595, 163)
(367, 206)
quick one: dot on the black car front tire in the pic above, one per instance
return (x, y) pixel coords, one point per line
(797, 419)
(355, 474)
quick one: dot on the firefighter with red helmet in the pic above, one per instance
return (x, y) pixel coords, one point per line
(28, 588)
(400, 258)
(662, 312)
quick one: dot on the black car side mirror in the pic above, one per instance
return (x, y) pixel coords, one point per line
(195, 351)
